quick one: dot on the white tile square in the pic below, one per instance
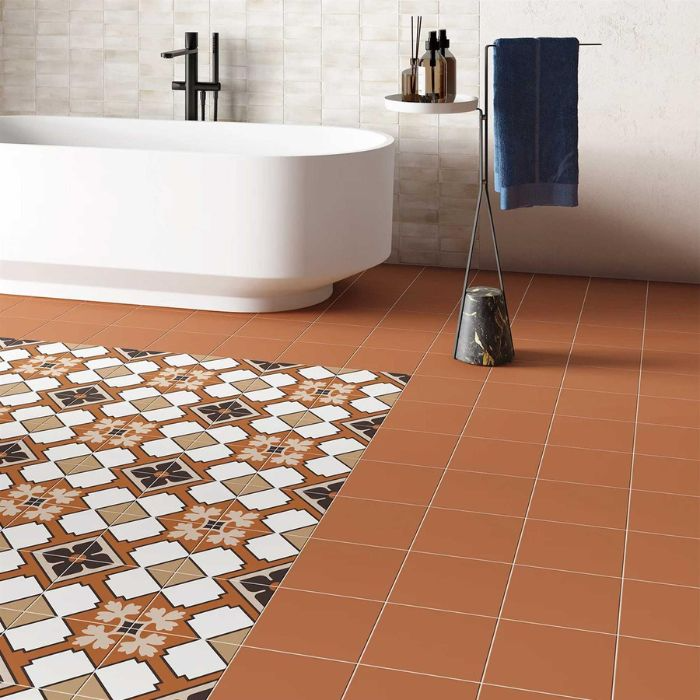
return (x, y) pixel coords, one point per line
(127, 679)
(217, 561)
(213, 623)
(194, 659)
(132, 583)
(71, 599)
(55, 668)
(42, 633)
(194, 592)
(271, 548)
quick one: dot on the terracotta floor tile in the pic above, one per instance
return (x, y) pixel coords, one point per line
(214, 322)
(127, 337)
(583, 504)
(455, 644)
(388, 481)
(437, 365)
(285, 625)
(652, 670)
(518, 397)
(597, 404)
(414, 321)
(36, 307)
(372, 683)
(253, 348)
(94, 312)
(7, 301)
(508, 425)
(667, 441)
(628, 359)
(592, 434)
(531, 375)
(542, 330)
(583, 466)
(550, 659)
(268, 674)
(493, 692)
(497, 456)
(484, 493)
(669, 385)
(563, 599)
(370, 522)
(193, 343)
(428, 417)
(612, 336)
(153, 317)
(403, 361)
(681, 476)
(672, 342)
(464, 534)
(613, 316)
(458, 392)
(397, 338)
(345, 569)
(663, 559)
(662, 612)
(317, 353)
(451, 583)
(678, 412)
(618, 381)
(665, 513)
(352, 314)
(444, 343)
(572, 548)
(260, 327)
(335, 334)
(16, 327)
(665, 321)
(68, 331)
(678, 362)
(411, 447)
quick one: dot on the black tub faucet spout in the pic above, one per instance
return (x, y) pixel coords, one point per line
(191, 84)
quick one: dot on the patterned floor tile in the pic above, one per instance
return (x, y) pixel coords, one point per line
(151, 504)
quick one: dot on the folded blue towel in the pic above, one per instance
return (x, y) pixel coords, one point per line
(536, 122)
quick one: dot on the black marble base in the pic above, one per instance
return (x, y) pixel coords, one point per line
(484, 333)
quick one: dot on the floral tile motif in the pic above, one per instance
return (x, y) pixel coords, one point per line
(151, 503)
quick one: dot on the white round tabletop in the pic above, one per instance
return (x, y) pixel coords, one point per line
(461, 104)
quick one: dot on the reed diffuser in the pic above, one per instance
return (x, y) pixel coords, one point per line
(409, 77)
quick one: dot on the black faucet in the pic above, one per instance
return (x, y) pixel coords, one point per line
(191, 85)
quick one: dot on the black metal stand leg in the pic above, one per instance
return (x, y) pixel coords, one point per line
(485, 339)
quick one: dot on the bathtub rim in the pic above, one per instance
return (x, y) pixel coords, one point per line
(388, 141)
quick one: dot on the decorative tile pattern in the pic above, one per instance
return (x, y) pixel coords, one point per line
(151, 503)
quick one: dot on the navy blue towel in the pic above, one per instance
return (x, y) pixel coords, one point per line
(536, 121)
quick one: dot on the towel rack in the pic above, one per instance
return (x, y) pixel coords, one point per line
(484, 111)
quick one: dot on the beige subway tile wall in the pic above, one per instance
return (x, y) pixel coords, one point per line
(284, 61)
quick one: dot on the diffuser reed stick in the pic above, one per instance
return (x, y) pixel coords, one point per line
(415, 48)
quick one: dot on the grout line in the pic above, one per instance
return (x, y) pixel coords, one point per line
(628, 518)
(529, 505)
(422, 521)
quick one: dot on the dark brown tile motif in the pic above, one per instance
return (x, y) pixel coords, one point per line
(152, 503)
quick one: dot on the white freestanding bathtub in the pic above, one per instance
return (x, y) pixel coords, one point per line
(219, 216)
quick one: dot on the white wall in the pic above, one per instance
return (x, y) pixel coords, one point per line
(639, 210)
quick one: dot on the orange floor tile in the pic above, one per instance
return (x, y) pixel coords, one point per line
(522, 532)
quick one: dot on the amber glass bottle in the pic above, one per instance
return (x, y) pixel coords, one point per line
(435, 66)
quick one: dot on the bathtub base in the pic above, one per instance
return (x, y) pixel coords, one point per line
(157, 289)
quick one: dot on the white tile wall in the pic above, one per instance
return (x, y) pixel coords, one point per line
(291, 61)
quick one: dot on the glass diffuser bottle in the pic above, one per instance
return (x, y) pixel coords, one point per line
(409, 82)
(435, 67)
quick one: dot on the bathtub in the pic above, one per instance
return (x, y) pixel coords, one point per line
(217, 216)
